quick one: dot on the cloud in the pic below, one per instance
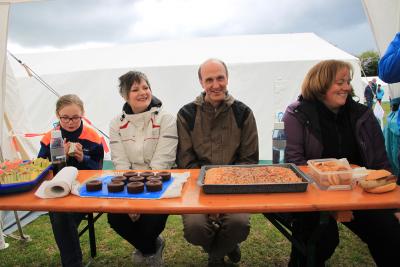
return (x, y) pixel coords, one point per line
(65, 23)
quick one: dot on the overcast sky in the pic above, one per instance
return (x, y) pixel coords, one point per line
(61, 24)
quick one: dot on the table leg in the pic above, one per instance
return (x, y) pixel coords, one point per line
(286, 229)
(308, 249)
(312, 242)
(92, 238)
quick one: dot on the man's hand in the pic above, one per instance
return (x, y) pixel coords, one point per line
(134, 216)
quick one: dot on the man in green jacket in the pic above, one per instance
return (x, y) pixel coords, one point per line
(216, 129)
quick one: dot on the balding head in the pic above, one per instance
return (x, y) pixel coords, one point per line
(211, 60)
(213, 77)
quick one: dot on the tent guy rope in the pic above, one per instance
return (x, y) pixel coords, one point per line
(32, 73)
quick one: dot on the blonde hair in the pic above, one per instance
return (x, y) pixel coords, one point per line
(320, 78)
(67, 100)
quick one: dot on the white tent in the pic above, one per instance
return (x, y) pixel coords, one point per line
(265, 72)
(384, 19)
(7, 86)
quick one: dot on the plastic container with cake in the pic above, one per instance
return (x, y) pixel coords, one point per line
(331, 174)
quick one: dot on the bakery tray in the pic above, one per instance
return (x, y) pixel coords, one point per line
(23, 186)
(255, 188)
(123, 194)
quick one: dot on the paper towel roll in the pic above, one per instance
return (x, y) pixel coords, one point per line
(60, 185)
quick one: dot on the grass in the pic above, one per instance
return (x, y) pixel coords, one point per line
(265, 246)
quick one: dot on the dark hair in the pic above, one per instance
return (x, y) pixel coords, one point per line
(212, 59)
(320, 78)
(128, 79)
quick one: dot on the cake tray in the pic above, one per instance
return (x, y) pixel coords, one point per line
(255, 188)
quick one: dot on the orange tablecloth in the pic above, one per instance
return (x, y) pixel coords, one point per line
(193, 200)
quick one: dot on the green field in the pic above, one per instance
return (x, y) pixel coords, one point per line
(265, 246)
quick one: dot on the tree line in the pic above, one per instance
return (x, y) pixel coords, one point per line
(369, 63)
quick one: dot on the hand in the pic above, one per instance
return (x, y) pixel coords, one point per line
(214, 217)
(215, 220)
(66, 147)
(397, 215)
(78, 152)
(134, 216)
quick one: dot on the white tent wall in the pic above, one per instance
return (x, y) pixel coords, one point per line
(15, 122)
(4, 13)
(384, 19)
(265, 72)
(7, 91)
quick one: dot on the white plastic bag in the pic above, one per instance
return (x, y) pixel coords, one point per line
(379, 113)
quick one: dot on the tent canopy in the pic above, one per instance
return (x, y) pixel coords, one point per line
(384, 19)
(233, 49)
(265, 72)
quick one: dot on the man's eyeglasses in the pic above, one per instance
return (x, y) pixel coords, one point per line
(66, 119)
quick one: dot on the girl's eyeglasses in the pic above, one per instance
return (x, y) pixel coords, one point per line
(66, 119)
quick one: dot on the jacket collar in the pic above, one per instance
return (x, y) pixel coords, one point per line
(308, 113)
(155, 102)
(72, 136)
(226, 104)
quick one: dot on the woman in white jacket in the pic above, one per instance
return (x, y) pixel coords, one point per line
(143, 137)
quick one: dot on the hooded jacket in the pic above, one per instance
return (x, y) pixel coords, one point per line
(304, 139)
(392, 141)
(389, 65)
(146, 140)
(223, 135)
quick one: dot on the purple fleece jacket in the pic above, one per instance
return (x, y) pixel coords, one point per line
(304, 140)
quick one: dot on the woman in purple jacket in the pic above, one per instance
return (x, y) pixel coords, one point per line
(325, 122)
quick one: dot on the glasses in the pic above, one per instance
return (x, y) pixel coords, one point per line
(66, 119)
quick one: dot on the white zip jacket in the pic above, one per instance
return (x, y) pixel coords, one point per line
(144, 141)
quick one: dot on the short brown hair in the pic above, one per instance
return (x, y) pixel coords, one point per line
(67, 100)
(320, 78)
(128, 79)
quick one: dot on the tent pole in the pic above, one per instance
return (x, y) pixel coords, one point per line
(3, 244)
(23, 153)
(1, 154)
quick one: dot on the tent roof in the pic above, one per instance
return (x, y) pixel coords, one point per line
(232, 49)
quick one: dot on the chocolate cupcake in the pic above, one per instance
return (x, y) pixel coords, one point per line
(119, 179)
(136, 179)
(154, 186)
(115, 187)
(130, 174)
(93, 186)
(146, 175)
(166, 176)
(154, 178)
(135, 187)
